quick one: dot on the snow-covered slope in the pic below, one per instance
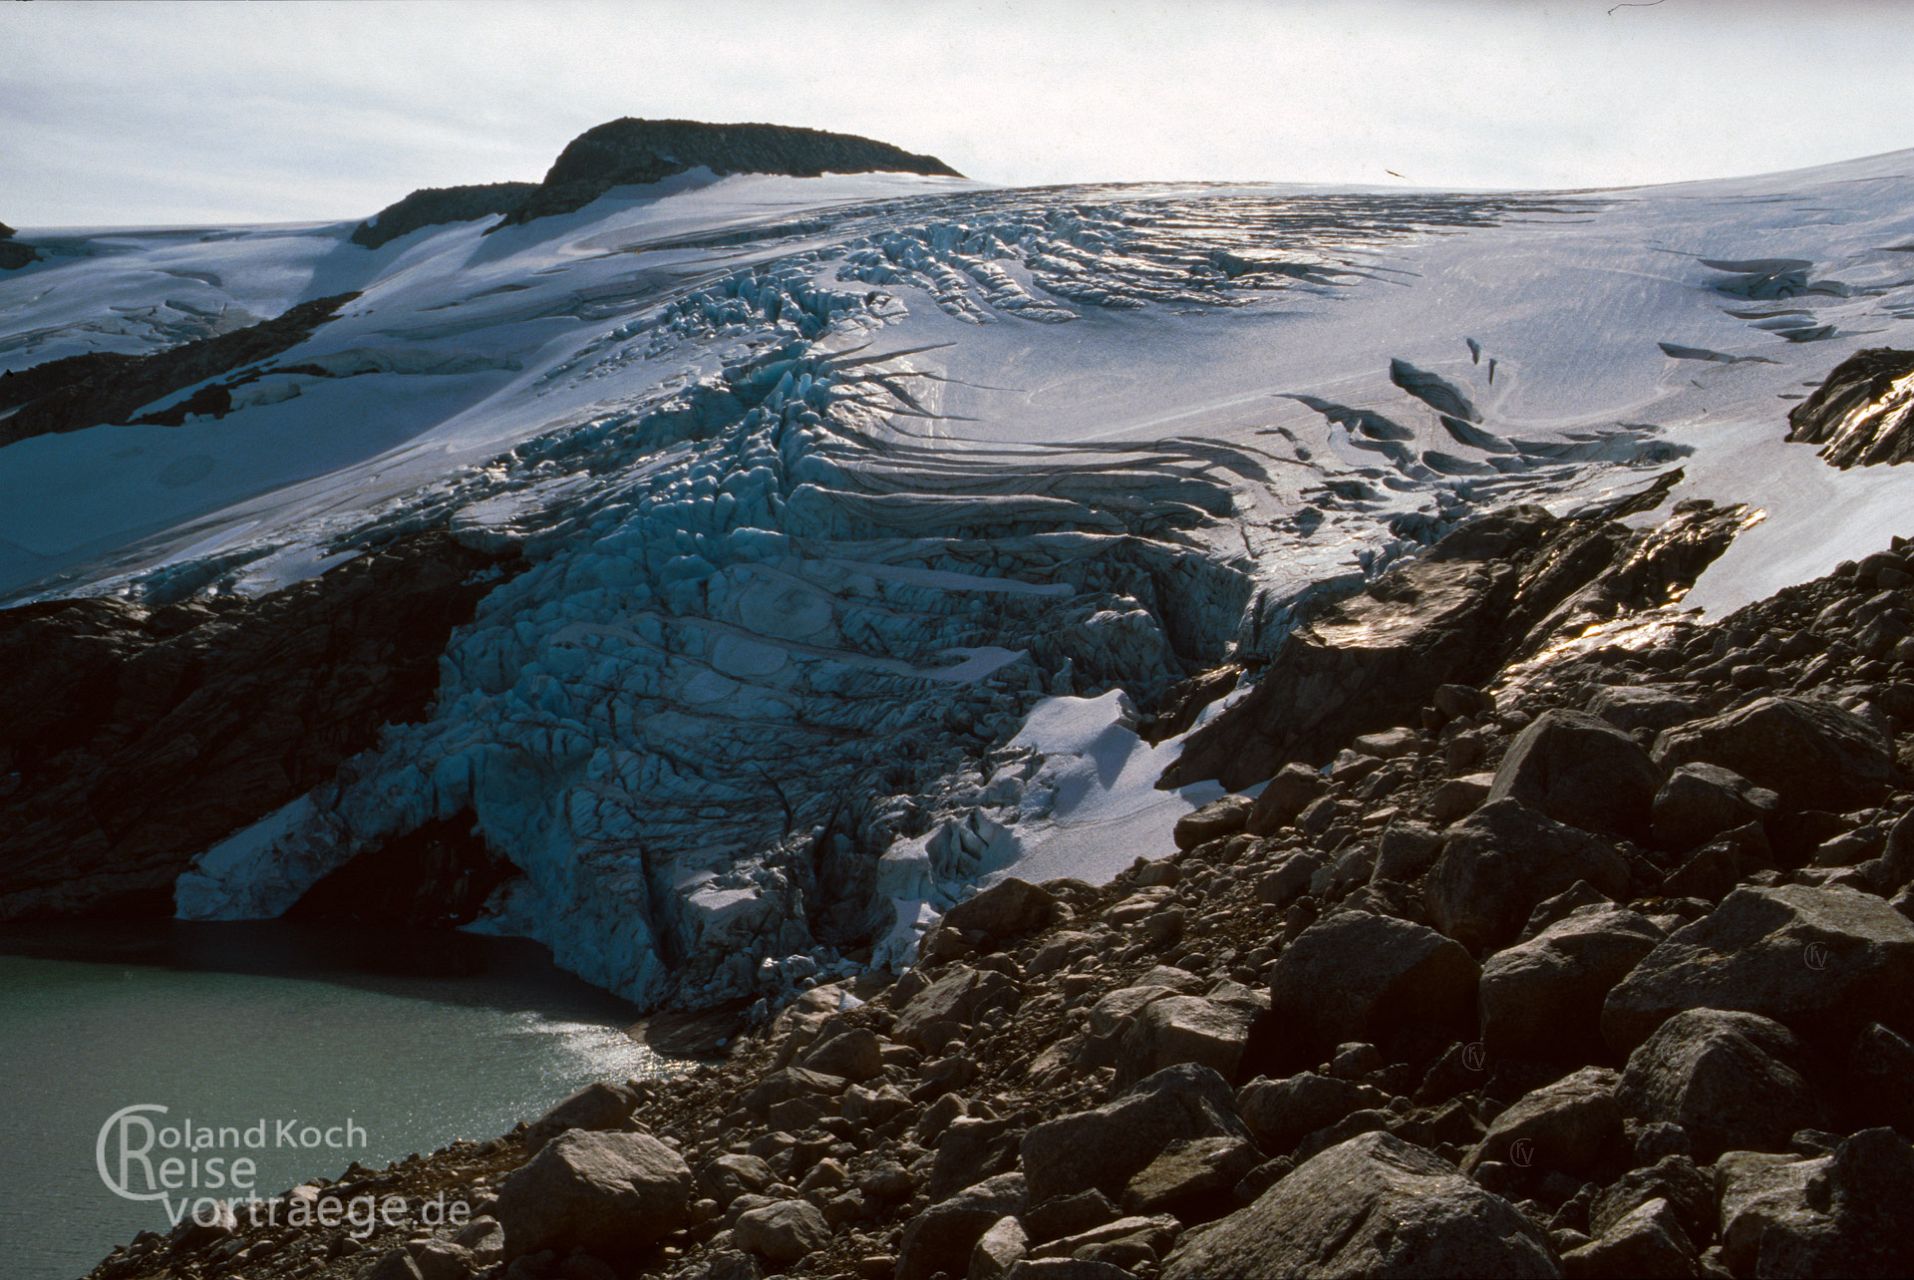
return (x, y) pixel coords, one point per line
(861, 512)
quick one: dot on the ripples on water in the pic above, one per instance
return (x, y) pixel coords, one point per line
(418, 1040)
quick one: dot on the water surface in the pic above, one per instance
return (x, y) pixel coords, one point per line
(414, 1039)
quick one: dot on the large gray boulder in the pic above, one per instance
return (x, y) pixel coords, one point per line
(1104, 1148)
(1177, 1029)
(1359, 976)
(1850, 1217)
(1569, 1126)
(941, 1238)
(1503, 860)
(1542, 998)
(607, 1193)
(1701, 801)
(782, 1231)
(1824, 962)
(1729, 1079)
(1373, 1207)
(1581, 770)
(1812, 754)
(1004, 910)
(940, 1012)
(1280, 1112)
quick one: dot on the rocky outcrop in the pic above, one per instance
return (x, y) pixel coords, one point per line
(435, 206)
(1863, 415)
(628, 152)
(13, 254)
(1488, 593)
(137, 738)
(104, 387)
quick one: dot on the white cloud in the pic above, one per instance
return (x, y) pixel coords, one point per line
(125, 113)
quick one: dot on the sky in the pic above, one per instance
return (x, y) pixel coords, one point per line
(119, 114)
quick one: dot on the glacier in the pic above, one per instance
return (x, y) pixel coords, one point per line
(857, 519)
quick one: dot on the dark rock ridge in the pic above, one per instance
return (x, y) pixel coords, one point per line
(1484, 596)
(13, 254)
(134, 739)
(106, 387)
(431, 206)
(1863, 415)
(1430, 1012)
(630, 151)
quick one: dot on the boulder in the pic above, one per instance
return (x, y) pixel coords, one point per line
(1280, 1112)
(1673, 1178)
(1631, 706)
(1569, 1126)
(1824, 962)
(598, 1105)
(1582, 771)
(1879, 1069)
(1542, 998)
(1702, 801)
(1218, 818)
(1759, 1190)
(1852, 1216)
(1192, 1180)
(1647, 1243)
(854, 1054)
(1729, 1079)
(1404, 851)
(607, 1193)
(942, 1237)
(1179, 1029)
(1104, 1148)
(1287, 794)
(1359, 976)
(1374, 1206)
(939, 1013)
(1812, 754)
(998, 1250)
(782, 1231)
(1006, 909)
(733, 1174)
(1503, 860)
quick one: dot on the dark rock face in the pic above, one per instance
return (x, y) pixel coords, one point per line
(89, 390)
(625, 152)
(433, 206)
(14, 255)
(1374, 1206)
(135, 739)
(1812, 754)
(1490, 591)
(1863, 415)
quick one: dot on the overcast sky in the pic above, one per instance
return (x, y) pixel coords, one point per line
(145, 113)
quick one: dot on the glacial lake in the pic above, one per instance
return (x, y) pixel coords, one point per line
(394, 1043)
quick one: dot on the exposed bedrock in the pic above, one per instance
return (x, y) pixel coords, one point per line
(89, 390)
(135, 738)
(13, 254)
(1492, 591)
(629, 151)
(1863, 415)
(433, 206)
